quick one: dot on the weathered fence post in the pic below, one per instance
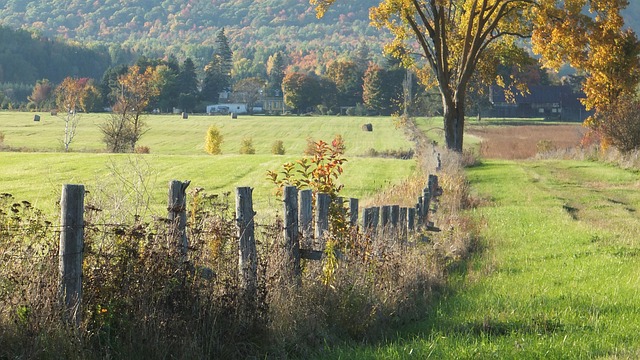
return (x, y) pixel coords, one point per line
(411, 219)
(70, 252)
(322, 218)
(177, 208)
(402, 222)
(248, 257)
(385, 217)
(395, 215)
(353, 212)
(291, 233)
(371, 217)
(305, 218)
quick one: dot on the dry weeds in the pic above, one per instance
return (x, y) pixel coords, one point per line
(525, 141)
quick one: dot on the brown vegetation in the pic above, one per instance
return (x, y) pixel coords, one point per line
(525, 141)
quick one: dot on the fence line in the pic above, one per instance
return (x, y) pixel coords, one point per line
(304, 230)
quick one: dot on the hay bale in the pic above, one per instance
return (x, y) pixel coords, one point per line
(234, 115)
(367, 127)
(185, 115)
(36, 117)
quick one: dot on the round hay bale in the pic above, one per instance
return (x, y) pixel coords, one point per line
(367, 127)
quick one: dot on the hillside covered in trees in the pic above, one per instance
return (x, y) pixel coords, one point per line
(156, 28)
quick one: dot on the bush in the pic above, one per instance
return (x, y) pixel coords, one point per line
(1, 138)
(619, 123)
(247, 146)
(142, 150)
(213, 141)
(277, 148)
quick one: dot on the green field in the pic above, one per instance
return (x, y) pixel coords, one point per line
(37, 172)
(557, 276)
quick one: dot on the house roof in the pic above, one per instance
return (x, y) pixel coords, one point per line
(540, 94)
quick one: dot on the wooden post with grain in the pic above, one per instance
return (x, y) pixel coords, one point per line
(247, 257)
(70, 252)
(177, 214)
(305, 217)
(322, 218)
(291, 233)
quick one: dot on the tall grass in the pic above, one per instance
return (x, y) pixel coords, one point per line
(143, 301)
(557, 277)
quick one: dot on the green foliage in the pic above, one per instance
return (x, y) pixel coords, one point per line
(247, 148)
(277, 148)
(213, 141)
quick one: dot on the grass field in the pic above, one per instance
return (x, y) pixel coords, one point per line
(557, 277)
(39, 170)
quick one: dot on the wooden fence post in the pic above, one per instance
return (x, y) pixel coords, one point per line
(177, 208)
(395, 215)
(385, 217)
(322, 218)
(402, 222)
(70, 252)
(353, 212)
(411, 219)
(424, 208)
(248, 258)
(291, 233)
(305, 218)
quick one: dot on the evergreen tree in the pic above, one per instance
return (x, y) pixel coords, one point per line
(217, 74)
(362, 57)
(224, 57)
(187, 86)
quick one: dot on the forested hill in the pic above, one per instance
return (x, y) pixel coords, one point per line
(187, 28)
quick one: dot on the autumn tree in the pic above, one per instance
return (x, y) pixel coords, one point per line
(589, 36)
(348, 79)
(73, 95)
(126, 125)
(446, 42)
(275, 71)
(301, 91)
(41, 94)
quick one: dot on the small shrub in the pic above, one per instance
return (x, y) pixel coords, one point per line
(213, 141)
(277, 148)
(247, 146)
(544, 146)
(1, 138)
(310, 149)
(142, 150)
(619, 123)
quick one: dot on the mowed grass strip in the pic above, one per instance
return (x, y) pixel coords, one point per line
(177, 152)
(172, 135)
(558, 277)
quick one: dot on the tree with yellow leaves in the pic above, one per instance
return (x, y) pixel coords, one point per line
(73, 95)
(448, 42)
(135, 90)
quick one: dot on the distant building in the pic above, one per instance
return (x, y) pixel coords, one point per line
(549, 102)
(227, 109)
(274, 105)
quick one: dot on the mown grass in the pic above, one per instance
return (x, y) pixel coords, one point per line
(172, 135)
(558, 276)
(176, 145)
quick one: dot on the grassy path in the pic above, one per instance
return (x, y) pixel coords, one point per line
(559, 276)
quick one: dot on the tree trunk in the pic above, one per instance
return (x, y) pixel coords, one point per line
(453, 121)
